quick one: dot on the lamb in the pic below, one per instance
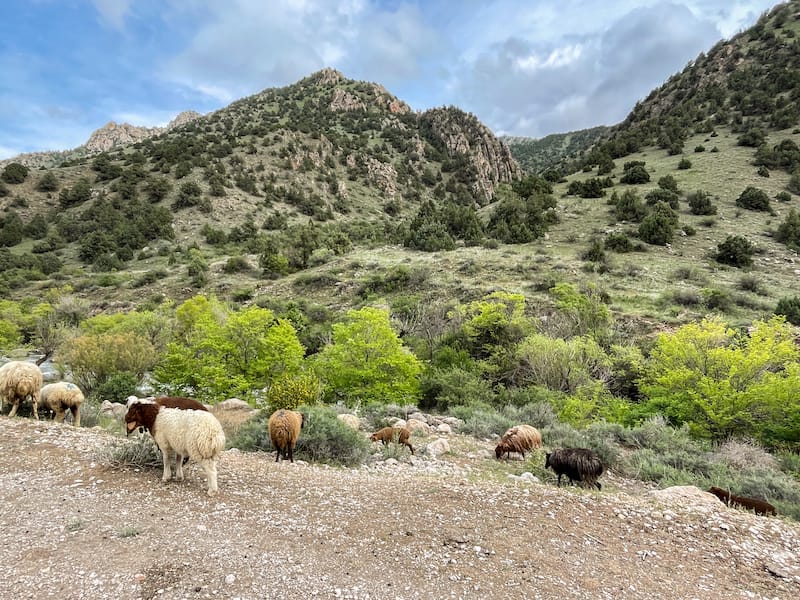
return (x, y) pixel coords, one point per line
(284, 429)
(393, 434)
(519, 438)
(20, 380)
(186, 432)
(62, 397)
(579, 464)
(761, 507)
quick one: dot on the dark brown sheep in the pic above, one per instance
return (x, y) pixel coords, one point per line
(393, 434)
(579, 464)
(761, 507)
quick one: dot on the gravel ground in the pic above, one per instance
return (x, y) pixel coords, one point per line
(74, 527)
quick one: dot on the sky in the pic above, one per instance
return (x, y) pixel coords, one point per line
(523, 67)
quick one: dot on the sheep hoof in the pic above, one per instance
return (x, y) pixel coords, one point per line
(212, 492)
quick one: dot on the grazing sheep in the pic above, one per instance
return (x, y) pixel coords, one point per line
(20, 380)
(579, 464)
(186, 432)
(393, 434)
(62, 397)
(519, 438)
(284, 429)
(761, 507)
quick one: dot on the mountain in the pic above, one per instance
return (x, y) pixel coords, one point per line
(750, 84)
(536, 156)
(107, 137)
(315, 169)
(335, 191)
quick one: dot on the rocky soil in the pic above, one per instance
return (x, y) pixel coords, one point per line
(71, 526)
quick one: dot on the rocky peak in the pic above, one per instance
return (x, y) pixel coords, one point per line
(114, 134)
(463, 134)
(327, 76)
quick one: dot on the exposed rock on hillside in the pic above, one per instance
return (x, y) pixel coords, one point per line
(121, 134)
(462, 134)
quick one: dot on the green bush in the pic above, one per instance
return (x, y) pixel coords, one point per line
(700, 203)
(618, 242)
(754, 199)
(790, 308)
(446, 388)
(117, 387)
(324, 438)
(735, 251)
(14, 173)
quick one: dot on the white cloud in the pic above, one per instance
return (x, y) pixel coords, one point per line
(560, 57)
(113, 12)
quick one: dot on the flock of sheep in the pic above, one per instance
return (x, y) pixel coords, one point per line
(185, 429)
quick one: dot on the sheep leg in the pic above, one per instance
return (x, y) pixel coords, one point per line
(165, 453)
(35, 411)
(278, 455)
(76, 416)
(14, 407)
(178, 466)
(290, 451)
(558, 483)
(60, 414)
(209, 467)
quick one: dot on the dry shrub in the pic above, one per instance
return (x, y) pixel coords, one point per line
(745, 454)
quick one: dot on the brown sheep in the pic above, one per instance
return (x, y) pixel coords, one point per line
(20, 380)
(761, 507)
(284, 429)
(62, 397)
(519, 438)
(392, 434)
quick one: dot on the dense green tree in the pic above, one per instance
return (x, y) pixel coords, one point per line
(78, 193)
(217, 353)
(634, 172)
(788, 231)
(367, 362)
(157, 188)
(12, 230)
(658, 227)
(47, 183)
(722, 383)
(14, 173)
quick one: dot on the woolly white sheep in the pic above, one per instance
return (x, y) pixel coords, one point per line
(284, 429)
(186, 432)
(20, 380)
(62, 397)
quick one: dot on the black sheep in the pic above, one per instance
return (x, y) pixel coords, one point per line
(579, 464)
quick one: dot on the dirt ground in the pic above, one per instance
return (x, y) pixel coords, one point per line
(73, 527)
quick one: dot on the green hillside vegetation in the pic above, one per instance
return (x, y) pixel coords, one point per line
(536, 156)
(321, 245)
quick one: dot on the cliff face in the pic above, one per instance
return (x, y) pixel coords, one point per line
(462, 134)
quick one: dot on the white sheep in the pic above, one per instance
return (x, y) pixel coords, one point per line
(185, 432)
(62, 397)
(20, 380)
